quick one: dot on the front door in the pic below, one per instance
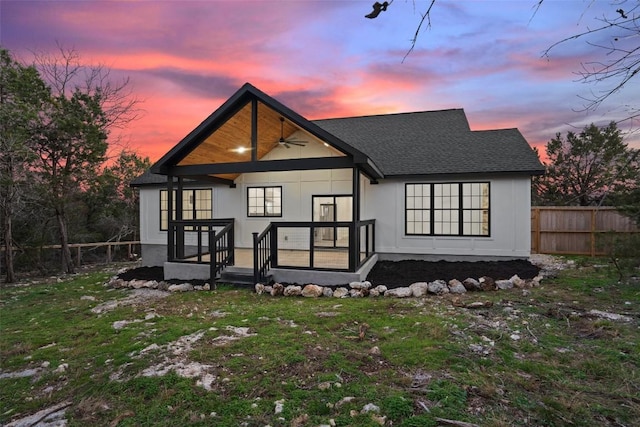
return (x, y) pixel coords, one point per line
(332, 208)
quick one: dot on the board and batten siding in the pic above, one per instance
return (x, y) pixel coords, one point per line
(510, 236)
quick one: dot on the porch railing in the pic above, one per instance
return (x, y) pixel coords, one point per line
(331, 246)
(221, 249)
(263, 255)
(193, 240)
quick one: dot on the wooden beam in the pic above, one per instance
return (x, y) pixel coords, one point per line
(314, 163)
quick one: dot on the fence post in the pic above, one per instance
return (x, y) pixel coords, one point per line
(78, 257)
(108, 253)
(593, 232)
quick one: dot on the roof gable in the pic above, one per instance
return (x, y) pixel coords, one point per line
(249, 118)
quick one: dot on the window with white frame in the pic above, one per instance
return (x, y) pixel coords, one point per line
(447, 209)
(197, 203)
(264, 201)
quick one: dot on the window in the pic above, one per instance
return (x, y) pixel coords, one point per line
(448, 209)
(196, 204)
(264, 201)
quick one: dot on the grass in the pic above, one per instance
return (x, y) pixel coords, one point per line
(532, 358)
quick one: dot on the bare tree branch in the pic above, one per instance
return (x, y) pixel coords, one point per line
(426, 16)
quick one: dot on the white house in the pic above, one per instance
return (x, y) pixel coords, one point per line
(258, 186)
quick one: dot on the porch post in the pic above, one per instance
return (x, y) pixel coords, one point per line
(180, 228)
(170, 225)
(354, 238)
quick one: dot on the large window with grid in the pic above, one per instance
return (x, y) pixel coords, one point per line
(264, 201)
(447, 209)
(196, 204)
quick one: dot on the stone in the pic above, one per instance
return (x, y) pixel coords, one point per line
(278, 289)
(312, 291)
(259, 288)
(438, 287)
(292, 291)
(360, 285)
(279, 406)
(346, 399)
(471, 284)
(370, 407)
(182, 287)
(374, 293)
(324, 385)
(327, 292)
(504, 284)
(401, 292)
(419, 289)
(375, 351)
(61, 368)
(163, 286)
(87, 298)
(487, 283)
(381, 289)
(518, 282)
(456, 287)
(268, 289)
(206, 287)
(358, 293)
(341, 293)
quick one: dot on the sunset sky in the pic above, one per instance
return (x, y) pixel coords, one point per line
(323, 58)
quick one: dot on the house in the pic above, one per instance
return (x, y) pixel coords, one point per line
(258, 190)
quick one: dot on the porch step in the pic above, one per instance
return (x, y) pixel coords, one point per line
(237, 276)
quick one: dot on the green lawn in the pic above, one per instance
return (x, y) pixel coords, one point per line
(534, 357)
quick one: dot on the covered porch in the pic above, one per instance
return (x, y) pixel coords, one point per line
(250, 145)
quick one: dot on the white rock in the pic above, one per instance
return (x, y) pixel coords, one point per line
(504, 284)
(61, 368)
(312, 291)
(456, 287)
(360, 285)
(401, 292)
(370, 407)
(87, 298)
(182, 287)
(292, 291)
(259, 288)
(381, 289)
(438, 287)
(327, 292)
(279, 406)
(419, 289)
(341, 293)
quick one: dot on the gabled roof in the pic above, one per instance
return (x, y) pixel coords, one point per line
(429, 143)
(434, 143)
(244, 110)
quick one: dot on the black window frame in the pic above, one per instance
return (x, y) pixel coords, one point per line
(194, 211)
(463, 212)
(264, 198)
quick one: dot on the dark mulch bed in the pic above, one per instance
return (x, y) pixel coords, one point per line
(402, 273)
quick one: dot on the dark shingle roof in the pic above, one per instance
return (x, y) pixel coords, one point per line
(424, 143)
(434, 143)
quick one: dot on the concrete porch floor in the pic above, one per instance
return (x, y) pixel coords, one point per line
(326, 259)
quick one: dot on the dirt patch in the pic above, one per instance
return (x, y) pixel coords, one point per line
(404, 273)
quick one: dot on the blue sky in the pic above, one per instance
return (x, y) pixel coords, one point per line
(324, 59)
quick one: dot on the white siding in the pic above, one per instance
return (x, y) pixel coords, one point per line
(510, 218)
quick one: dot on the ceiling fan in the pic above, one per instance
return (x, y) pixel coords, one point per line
(288, 142)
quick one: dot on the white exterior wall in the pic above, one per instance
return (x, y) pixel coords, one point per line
(510, 222)
(510, 208)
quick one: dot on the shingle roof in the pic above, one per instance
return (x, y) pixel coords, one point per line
(424, 143)
(434, 143)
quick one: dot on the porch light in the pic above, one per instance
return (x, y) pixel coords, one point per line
(241, 150)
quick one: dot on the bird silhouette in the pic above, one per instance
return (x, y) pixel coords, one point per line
(377, 8)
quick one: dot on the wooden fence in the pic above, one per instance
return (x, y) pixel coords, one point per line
(575, 229)
(78, 247)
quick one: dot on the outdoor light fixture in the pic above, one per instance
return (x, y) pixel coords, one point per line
(241, 150)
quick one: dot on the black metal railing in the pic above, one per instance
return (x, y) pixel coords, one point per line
(191, 240)
(333, 246)
(221, 249)
(264, 253)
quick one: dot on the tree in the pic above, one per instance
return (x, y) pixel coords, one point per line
(22, 97)
(585, 168)
(621, 55)
(72, 143)
(113, 206)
